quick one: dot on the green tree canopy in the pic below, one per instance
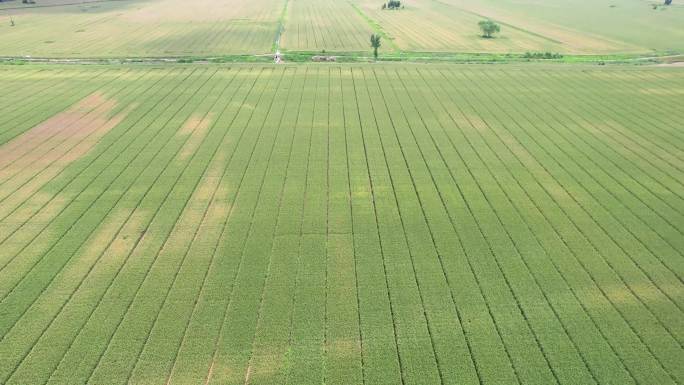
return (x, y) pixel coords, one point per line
(375, 44)
(489, 28)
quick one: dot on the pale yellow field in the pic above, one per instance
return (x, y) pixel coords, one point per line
(315, 25)
(142, 28)
(172, 28)
(433, 26)
(590, 26)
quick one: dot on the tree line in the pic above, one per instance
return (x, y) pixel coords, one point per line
(392, 4)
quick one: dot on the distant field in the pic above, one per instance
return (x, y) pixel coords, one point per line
(341, 225)
(577, 26)
(142, 28)
(591, 25)
(158, 28)
(434, 26)
(315, 25)
(11, 4)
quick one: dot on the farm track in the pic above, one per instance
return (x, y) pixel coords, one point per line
(341, 224)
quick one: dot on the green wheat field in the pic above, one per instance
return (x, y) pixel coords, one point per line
(340, 223)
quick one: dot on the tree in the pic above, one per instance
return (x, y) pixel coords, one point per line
(489, 28)
(393, 4)
(375, 44)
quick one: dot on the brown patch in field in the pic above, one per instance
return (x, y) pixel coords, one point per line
(218, 166)
(595, 127)
(344, 347)
(197, 127)
(557, 192)
(57, 142)
(189, 126)
(120, 244)
(621, 295)
(129, 230)
(43, 206)
(103, 235)
(265, 366)
(52, 204)
(460, 120)
(360, 193)
(518, 150)
(18, 146)
(205, 189)
(28, 216)
(220, 209)
(96, 250)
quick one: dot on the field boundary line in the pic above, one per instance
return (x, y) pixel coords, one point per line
(280, 29)
(327, 231)
(351, 214)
